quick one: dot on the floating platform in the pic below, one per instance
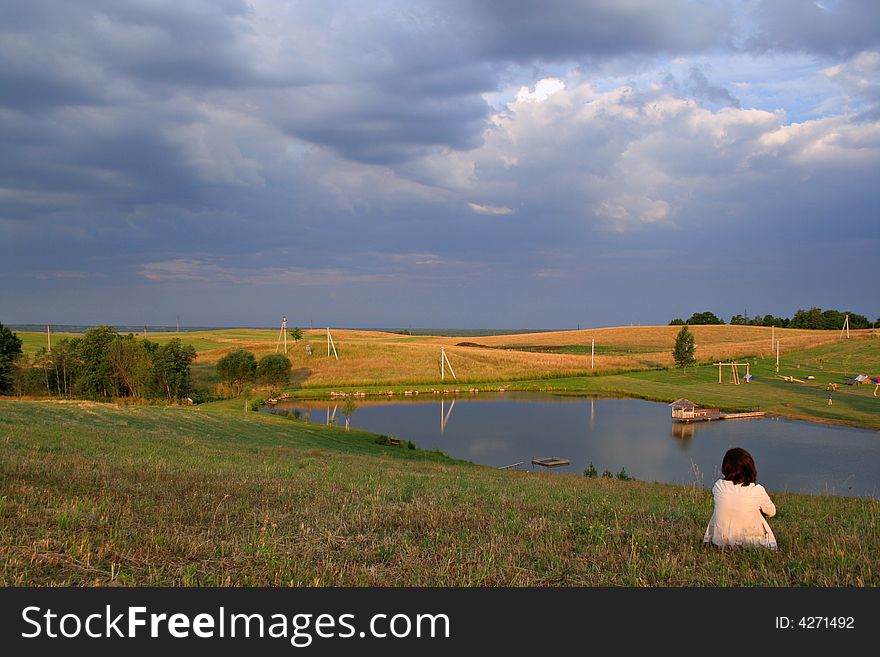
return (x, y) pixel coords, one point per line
(551, 462)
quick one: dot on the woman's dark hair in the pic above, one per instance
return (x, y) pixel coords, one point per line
(738, 466)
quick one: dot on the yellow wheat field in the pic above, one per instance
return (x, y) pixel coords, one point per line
(370, 358)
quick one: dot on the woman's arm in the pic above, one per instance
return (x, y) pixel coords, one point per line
(767, 506)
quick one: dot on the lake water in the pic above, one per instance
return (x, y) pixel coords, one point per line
(502, 429)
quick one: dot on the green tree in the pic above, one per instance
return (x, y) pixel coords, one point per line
(62, 366)
(678, 321)
(770, 320)
(131, 364)
(274, 370)
(704, 318)
(296, 334)
(685, 349)
(10, 350)
(95, 376)
(171, 368)
(808, 319)
(236, 368)
(739, 320)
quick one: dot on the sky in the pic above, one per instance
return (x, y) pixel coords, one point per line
(437, 163)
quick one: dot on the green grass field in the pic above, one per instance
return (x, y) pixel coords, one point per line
(94, 494)
(852, 405)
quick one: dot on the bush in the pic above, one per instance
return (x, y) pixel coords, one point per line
(274, 370)
(623, 476)
(382, 440)
(236, 368)
(590, 472)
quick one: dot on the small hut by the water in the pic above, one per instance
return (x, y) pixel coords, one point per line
(684, 410)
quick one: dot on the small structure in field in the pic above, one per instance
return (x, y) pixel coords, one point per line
(734, 372)
(684, 410)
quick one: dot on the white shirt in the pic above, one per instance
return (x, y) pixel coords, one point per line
(737, 518)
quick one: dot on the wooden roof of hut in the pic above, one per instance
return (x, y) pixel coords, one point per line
(683, 403)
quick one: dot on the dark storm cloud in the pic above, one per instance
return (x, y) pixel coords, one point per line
(826, 27)
(88, 52)
(152, 146)
(524, 30)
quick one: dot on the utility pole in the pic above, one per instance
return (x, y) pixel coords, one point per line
(49, 337)
(444, 362)
(282, 334)
(593, 354)
(330, 344)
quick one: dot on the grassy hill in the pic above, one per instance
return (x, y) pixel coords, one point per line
(95, 494)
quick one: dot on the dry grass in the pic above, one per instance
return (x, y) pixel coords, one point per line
(163, 497)
(378, 358)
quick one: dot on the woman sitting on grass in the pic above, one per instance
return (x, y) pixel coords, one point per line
(740, 505)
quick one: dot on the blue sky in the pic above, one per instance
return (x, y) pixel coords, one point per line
(437, 163)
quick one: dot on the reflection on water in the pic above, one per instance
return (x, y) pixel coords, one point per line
(684, 432)
(444, 414)
(639, 436)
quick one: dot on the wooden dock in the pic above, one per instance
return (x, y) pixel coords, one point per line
(721, 416)
(741, 416)
(685, 410)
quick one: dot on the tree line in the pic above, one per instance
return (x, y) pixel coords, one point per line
(814, 318)
(100, 364)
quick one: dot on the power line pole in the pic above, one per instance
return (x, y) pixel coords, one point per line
(283, 334)
(330, 344)
(445, 359)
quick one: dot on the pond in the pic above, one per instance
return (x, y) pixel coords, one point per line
(503, 429)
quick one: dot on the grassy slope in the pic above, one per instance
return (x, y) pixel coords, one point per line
(95, 494)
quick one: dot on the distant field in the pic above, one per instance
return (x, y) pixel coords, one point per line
(99, 495)
(382, 358)
(629, 360)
